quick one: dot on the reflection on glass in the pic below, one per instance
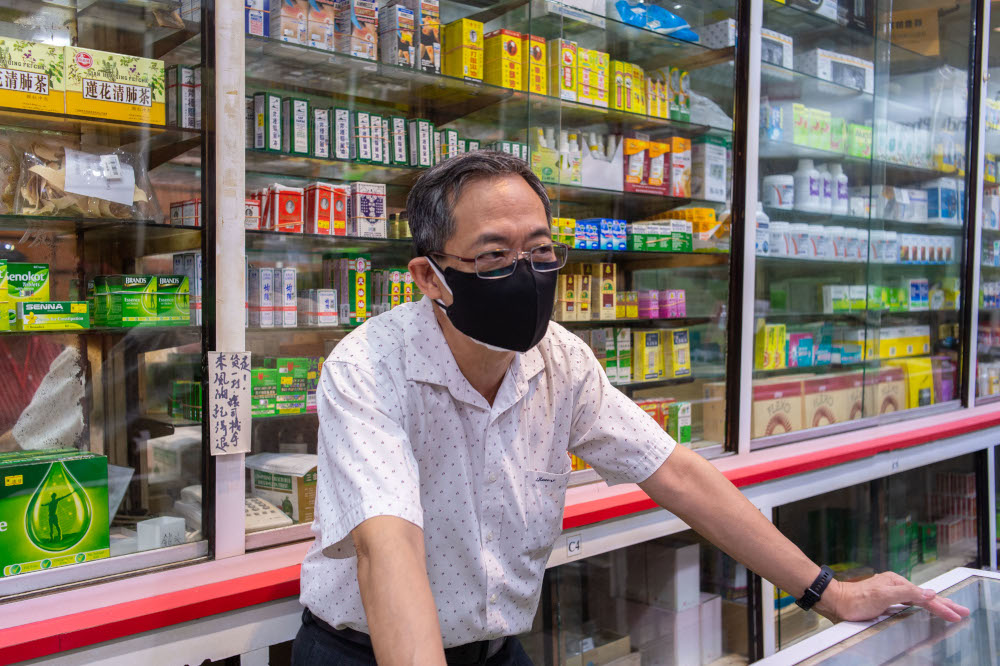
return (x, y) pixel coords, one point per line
(858, 235)
(100, 439)
(988, 361)
(916, 636)
(676, 600)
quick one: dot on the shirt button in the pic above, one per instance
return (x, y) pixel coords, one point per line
(489, 536)
(493, 599)
(493, 477)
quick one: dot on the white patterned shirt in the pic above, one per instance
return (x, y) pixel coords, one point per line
(403, 433)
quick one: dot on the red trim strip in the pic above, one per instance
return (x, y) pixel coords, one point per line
(40, 639)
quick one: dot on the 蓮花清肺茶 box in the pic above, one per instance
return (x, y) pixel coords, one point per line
(114, 86)
(53, 510)
(31, 76)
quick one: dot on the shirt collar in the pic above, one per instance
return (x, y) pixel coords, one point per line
(429, 359)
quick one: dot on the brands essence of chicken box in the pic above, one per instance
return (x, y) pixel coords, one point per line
(114, 86)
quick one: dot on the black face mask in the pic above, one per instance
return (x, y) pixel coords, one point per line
(506, 314)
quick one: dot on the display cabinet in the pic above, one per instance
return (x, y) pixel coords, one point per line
(988, 338)
(860, 230)
(100, 281)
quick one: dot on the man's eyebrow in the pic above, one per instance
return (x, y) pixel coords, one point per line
(490, 238)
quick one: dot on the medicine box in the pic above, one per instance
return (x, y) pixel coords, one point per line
(173, 300)
(257, 17)
(679, 422)
(647, 358)
(463, 49)
(839, 68)
(356, 28)
(290, 21)
(114, 86)
(504, 61)
(776, 48)
(267, 122)
(25, 282)
(718, 35)
(263, 392)
(321, 22)
(708, 168)
(54, 509)
(182, 108)
(680, 167)
(343, 137)
(397, 25)
(592, 76)
(534, 64)
(286, 480)
(676, 353)
(319, 132)
(562, 76)
(295, 126)
(286, 299)
(421, 142)
(52, 316)
(292, 379)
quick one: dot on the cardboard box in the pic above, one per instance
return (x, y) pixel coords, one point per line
(777, 407)
(52, 316)
(350, 275)
(593, 74)
(173, 300)
(838, 68)
(257, 17)
(562, 55)
(53, 510)
(290, 21)
(647, 359)
(676, 353)
(292, 378)
(463, 49)
(397, 25)
(268, 126)
(182, 108)
(295, 126)
(919, 379)
(286, 480)
(680, 167)
(709, 158)
(534, 64)
(319, 209)
(776, 48)
(25, 283)
(679, 422)
(356, 28)
(263, 392)
(319, 132)
(504, 59)
(321, 24)
(114, 86)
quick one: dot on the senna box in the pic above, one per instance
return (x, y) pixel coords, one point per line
(52, 316)
(53, 510)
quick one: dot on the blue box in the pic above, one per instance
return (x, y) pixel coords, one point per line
(257, 17)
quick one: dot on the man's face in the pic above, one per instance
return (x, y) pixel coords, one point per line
(491, 214)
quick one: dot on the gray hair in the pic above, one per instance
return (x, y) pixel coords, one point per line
(431, 201)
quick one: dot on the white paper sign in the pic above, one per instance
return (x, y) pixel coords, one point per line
(88, 175)
(229, 402)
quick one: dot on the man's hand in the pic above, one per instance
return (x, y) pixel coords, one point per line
(869, 598)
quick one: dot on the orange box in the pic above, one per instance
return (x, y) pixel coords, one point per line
(319, 208)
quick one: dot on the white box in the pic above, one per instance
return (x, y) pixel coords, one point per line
(718, 35)
(708, 169)
(711, 627)
(342, 139)
(673, 575)
(776, 48)
(160, 532)
(286, 480)
(838, 68)
(287, 299)
(603, 173)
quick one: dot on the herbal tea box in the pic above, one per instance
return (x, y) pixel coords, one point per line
(286, 480)
(118, 87)
(25, 282)
(52, 316)
(31, 76)
(53, 510)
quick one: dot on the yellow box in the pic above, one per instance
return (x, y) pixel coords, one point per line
(505, 74)
(631, 305)
(604, 305)
(464, 63)
(647, 355)
(566, 298)
(769, 346)
(31, 76)
(562, 55)
(621, 85)
(583, 309)
(114, 86)
(638, 90)
(919, 381)
(504, 61)
(593, 68)
(534, 64)
(463, 33)
(676, 353)
(463, 49)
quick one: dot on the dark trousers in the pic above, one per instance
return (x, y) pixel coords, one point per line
(316, 646)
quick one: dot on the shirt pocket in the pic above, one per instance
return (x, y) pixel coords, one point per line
(546, 496)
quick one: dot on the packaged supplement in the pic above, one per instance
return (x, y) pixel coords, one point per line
(52, 316)
(396, 25)
(504, 60)
(319, 133)
(295, 126)
(290, 21)
(54, 510)
(25, 283)
(708, 168)
(173, 300)
(321, 24)
(680, 167)
(263, 392)
(562, 55)
(292, 379)
(356, 28)
(648, 356)
(679, 422)
(114, 86)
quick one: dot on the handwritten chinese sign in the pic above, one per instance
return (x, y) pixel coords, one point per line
(229, 402)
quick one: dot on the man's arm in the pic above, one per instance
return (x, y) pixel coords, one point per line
(395, 591)
(694, 490)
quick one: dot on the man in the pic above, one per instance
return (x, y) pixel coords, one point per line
(444, 428)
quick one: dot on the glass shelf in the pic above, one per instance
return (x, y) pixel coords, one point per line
(785, 215)
(675, 322)
(157, 23)
(120, 131)
(784, 83)
(141, 237)
(785, 150)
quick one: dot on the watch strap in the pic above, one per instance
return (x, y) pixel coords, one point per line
(815, 591)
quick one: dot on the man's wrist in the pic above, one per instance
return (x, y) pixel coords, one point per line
(829, 600)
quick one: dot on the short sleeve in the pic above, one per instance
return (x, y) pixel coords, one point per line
(366, 463)
(609, 431)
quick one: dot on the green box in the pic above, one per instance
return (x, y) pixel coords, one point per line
(679, 422)
(295, 125)
(173, 300)
(125, 300)
(25, 282)
(293, 374)
(53, 510)
(928, 542)
(267, 122)
(320, 135)
(899, 546)
(859, 140)
(838, 135)
(263, 391)
(398, 148)
(52, 316)
(800, 124)
(681, 236)
(4, 298)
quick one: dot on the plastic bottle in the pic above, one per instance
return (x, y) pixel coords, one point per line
(841, 193)
(826, 189)
(807, 187)
(779, 191)
(779, 239)
(763, 235)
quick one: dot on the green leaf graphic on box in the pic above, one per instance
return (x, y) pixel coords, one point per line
(59, 512)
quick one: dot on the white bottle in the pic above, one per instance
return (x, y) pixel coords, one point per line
(825, 189)
(763, 235)
(807, 187)
(841, 194)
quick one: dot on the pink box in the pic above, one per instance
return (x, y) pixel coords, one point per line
(649, 304)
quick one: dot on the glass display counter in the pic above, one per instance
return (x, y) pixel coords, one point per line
(914, 635)
(863, 192)
(101, 338)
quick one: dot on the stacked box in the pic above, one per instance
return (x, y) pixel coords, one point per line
(263, 392)
(286, 480)
(291, 393)
(261, 284)
(320, 132)
(463, 49)
(114, 86)
(125, 300)
(350, 275)
(182, 106)
(397, 25)
(356, 28)
(321, 24)
(562, 55)
(534, 65)
(25, 283)
(290, 21)
(593, 70)
(367, 217)
(504, 60)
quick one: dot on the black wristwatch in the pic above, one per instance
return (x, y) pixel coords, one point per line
(815, 591)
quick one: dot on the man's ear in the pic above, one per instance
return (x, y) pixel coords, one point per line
(428, 281)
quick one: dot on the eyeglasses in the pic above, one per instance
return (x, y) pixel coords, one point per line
(495, 264)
